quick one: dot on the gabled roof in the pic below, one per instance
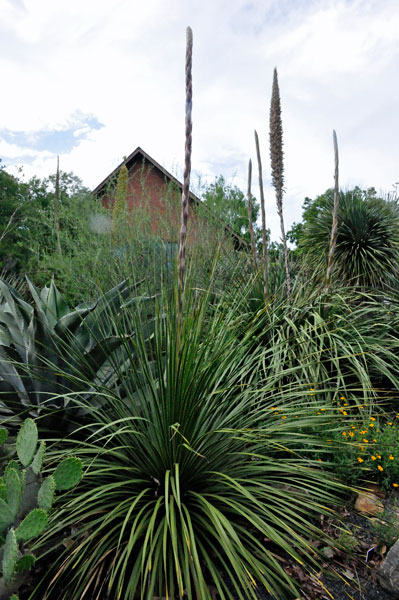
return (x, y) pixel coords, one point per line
(136, 156)
(139, 155)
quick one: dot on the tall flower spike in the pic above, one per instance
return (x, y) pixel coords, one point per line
(263, 212)
(187, 163)
(57, 207)
(249, 206)
(334, 228)
(276, 155)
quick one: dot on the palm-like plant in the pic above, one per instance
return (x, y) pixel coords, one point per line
(367, 244)
(192, 471)
(46, 349)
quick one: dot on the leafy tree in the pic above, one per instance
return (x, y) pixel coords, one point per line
(27, 217)
(228, 203)
(367, 251)
(13, 195)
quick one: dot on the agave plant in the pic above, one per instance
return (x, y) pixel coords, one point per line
(194, 485)
(46, 349)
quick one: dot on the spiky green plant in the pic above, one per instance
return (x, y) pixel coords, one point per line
(192, 472)
(26, 497)
(367, 244)
(46, 347)
(345, 343)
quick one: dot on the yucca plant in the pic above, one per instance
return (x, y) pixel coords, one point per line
(194, 485)
(46, 348)
(345, 343)
(367, 242)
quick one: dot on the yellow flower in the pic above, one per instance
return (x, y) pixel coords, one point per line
(344, 433)
(372, 419)
(322, 409)
(390, 423)
(319, 413)
(351, 433)
(273, 408)
(373, 458)
(365, 441)
(342, 398)
(344, 413)
(362, 448)
(380, 468)
(371, 425)
(319, 460)
(395, 484)
(374, 440)
(379, 456)
(283, 417)
(391, 457)
(361, 406)
(360, 459)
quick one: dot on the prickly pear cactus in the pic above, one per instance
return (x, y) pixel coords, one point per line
(25, 501)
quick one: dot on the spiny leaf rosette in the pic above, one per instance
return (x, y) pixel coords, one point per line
(193, 482)
(367, 247)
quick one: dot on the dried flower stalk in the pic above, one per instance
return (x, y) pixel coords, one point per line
(334, 228)
(263, 213)
(276, 155)
(187, 163)
(249, 206)
(57, 207)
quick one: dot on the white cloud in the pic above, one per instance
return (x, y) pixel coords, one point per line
(123, 62)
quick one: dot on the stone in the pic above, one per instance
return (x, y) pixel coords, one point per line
(388, 573)
(369, 504)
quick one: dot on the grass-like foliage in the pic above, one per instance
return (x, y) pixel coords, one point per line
(193, 481)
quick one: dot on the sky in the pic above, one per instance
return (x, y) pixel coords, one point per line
(91, 80)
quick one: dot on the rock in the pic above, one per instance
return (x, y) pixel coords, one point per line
(374, 489)
(368, 503)
(388, 573)
(328, 552)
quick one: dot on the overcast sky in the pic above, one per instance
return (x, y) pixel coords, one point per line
(91, 80)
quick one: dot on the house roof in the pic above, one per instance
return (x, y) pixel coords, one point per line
(140, 153)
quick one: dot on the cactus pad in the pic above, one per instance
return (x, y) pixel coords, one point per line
(27, 441)
(33, 525)
(10, 555)
(3, 435)
(13, 489)
(25, 563)
(37, 463)
(3, 492)
(68, 473)
(45, 496)
(6, 516)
